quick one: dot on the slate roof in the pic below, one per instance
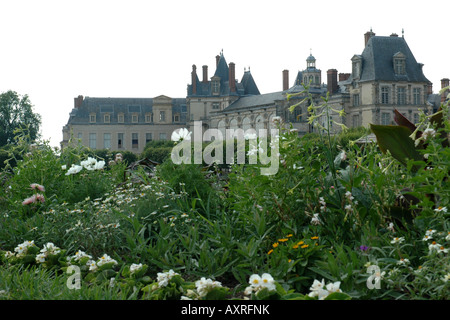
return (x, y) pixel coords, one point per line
(255, 101)
(247, 85)
(378, 62)
(114, 106)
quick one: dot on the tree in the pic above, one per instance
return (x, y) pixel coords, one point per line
(16, 112)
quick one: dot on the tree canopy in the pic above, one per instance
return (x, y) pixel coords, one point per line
(16, 112)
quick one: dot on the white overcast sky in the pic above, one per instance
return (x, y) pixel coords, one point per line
(55, 50)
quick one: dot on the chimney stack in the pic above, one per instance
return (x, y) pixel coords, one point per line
(78, 101)
(285, 80)
(430, 88)
(344, 76)
(194, 79)
(205, 74)
(444, 84)
(232, 77)
(367, 36)
(332, 84)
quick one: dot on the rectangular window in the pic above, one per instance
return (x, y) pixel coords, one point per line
(148, 117)
(135, 140)
(162, 116)
(106, 118)
(120, 140)
(216, 106)
(176, 118)
(401, 96)
(120, 118)
(148, 137)
(416, 96)
(400, 66)
(93, 140)
(355, 120)
(385, 95)
(216, 86)
(385, 118)
(92, 118)
(163, 136)
(134, 118)
(356, 100)
(107, 141)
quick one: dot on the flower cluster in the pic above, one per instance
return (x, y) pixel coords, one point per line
(258, 283)
(204, 286)
(163, 278)
(89, 164)
(37, 197)
(22, 249)
(49, 249)
(319, 290)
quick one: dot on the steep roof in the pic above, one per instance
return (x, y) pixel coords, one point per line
(248, 84)
(378, 63)
(222, 69)
(255, 101)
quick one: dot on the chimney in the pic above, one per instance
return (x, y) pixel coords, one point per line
(430, 88)
(332, 84)
(344, 76)
(285, 80)
(231, 77)
(78, 101)
(194, 79)
(217, 60)
(205, 74)
(367, 36)
(444, 84)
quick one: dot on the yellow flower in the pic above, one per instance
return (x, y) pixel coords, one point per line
(314, 238)
(295, 246)
(300, 243)
(283, 240)
(289, 260)
(270, 251)
(289, 235)
(304, 246)
(275, 245)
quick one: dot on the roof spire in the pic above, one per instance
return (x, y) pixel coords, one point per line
(403, 32)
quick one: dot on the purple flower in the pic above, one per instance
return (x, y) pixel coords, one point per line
(364, 248)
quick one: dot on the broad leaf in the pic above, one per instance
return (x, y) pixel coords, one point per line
(396, 140)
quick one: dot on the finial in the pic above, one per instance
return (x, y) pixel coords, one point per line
(403, 33)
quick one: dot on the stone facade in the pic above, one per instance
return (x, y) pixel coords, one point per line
(384, 77)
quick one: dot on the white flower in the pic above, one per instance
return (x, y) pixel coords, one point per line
(446, 277)
(403, 262)
(50, 248)
(74, 169)
(343, 156)
(105, 259)
(318, 289)
(349, 196)
(206, 285)
(164, 277)
(448, 237)
(315, 219)
(40, 258)
(250, 136)
(181, 134)
(441, 209)
(436, 247)
(258, 283)
(135, 267)
(92, 265)
(80, 254)
(99, 165)
(398, 240)
(428, 133)
(334, 287)
(22, 248)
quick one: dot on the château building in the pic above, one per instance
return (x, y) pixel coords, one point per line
(384, 77)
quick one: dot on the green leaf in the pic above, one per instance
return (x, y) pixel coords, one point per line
(396, 140)
(338, 296)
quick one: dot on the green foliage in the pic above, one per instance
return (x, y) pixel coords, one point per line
(16, 113)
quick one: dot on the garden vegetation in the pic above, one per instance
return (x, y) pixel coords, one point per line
(340, 220)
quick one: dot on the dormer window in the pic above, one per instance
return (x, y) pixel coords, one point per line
(215, 85)
(356, 67)
(399, 63)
